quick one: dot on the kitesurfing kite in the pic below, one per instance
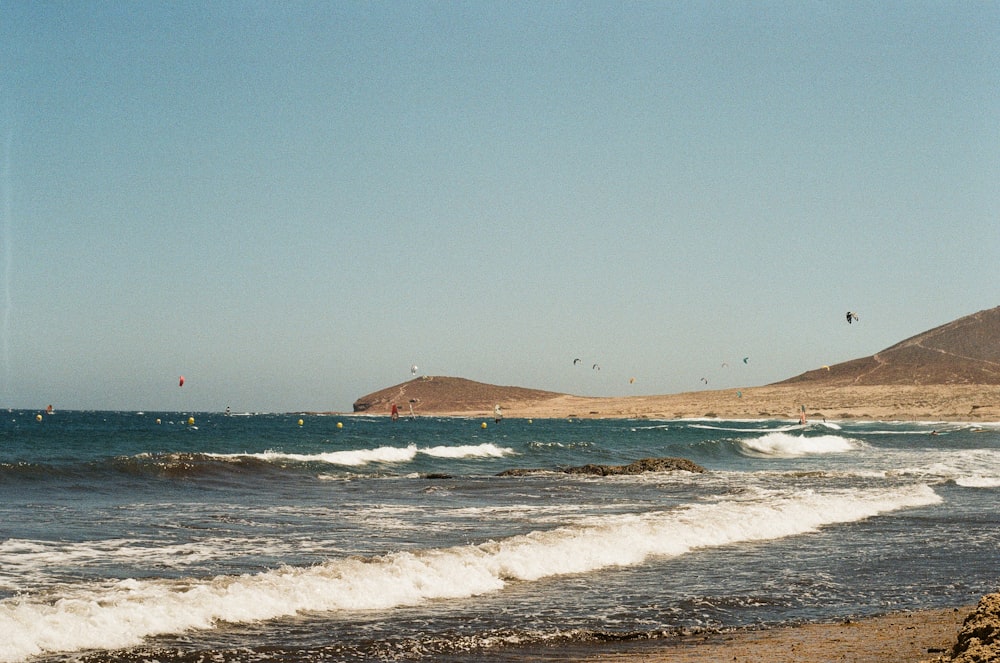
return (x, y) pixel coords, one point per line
(596, 367)
(851, 317)
(576, 361)
(180, 383)
(413, 369)
(631, 380)
(746, 360)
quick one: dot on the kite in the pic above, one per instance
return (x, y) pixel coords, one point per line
(631, 380)
(596, 367)
(180, 383)
(576, 361)
(746, 360)
(413, 369)
(705, 380)
(851, 317)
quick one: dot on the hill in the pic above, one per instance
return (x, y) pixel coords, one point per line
(430, 393)
(965, 351)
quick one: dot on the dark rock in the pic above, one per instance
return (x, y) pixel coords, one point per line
(638, 467)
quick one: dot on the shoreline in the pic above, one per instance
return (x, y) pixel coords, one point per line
(953, 403)
(901, 637)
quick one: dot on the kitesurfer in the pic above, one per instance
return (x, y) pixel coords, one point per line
(395, 412)
(497, 413)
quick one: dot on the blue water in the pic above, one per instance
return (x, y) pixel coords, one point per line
(139, 536)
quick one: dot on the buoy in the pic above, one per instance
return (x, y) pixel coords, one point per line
(531, 421)
(157, 421)
(340, 424)
(190, 421)
(300, 422)
(38, 417)
(483, 425)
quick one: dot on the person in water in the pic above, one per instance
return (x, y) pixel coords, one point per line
(497, 413)
(395, 412)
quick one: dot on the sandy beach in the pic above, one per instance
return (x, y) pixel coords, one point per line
(907, 637)
(883, 402)
(970, 634)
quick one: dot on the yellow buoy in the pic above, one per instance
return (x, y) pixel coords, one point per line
(157, 421)
(483, 425)
(190, 421)
(531, 421)
(300, 422)
(38, 417)
(340, 424)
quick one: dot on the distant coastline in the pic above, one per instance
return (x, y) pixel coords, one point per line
(445, 396)
(949, 373)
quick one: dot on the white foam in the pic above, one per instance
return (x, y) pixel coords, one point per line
(357, 457)
(122, 614)
(978, 482)
(971, 468)
(779, 429)
(488, 450)
(784, 445)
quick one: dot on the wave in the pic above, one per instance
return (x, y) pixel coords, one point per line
(978, 482)
(970, 468)
(122, 614)
(207, 464)
(357, 457)
(783, 445)
(729, 429)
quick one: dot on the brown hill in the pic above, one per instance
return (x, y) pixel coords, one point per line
(963, 352)
(448, 395)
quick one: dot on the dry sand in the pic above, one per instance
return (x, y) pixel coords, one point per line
(907, 637)
(887, 403)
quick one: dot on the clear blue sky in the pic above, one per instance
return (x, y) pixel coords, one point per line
(292, 203)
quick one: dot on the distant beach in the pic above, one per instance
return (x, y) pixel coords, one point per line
(876, 403)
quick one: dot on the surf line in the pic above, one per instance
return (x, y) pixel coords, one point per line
(132, 610)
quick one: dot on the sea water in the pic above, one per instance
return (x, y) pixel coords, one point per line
(141, 536)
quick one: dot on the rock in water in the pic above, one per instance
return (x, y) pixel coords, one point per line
(638, 467)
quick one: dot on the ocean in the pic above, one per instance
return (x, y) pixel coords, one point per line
(141, 536)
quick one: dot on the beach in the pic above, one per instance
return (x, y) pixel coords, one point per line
(874, 403)
(907, 637)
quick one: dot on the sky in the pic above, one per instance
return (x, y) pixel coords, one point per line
(292, 204)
